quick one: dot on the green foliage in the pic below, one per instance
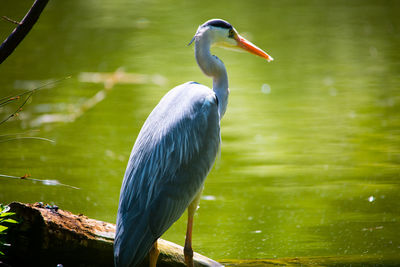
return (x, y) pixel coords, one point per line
(5, 221)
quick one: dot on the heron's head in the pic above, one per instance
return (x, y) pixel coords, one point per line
(221, 33)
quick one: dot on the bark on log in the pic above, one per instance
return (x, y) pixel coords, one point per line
(47, 236)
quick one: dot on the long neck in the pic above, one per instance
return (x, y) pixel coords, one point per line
(215, 68)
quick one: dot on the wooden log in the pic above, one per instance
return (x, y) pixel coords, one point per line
(47, 236)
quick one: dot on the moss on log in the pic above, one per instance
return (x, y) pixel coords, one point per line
(47, 236)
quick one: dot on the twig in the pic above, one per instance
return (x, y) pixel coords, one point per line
(19, 33)
(28, 137)
(7, 100)
(19, 108)
(11, 20)
(45, 182)
(16, 134)
(14, 97)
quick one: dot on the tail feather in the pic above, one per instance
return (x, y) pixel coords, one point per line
(131, 245)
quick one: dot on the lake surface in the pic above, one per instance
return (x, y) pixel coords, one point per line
(310, 157)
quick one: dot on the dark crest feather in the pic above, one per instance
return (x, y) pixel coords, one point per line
(218, 23)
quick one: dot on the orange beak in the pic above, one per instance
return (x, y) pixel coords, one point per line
(248, 46)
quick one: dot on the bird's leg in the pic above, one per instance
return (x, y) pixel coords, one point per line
(188, 251)
(154, 252)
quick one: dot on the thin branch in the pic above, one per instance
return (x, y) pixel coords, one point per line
(18, 110)
(19, 33)
(11, 20)
(9, 100)
(45, 182)
(4, 100)
(30, 93)
(16, 134)
(28, 137)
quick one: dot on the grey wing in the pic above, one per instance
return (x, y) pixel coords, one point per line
(172, 156)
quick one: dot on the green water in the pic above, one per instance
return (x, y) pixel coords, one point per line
(310, 154)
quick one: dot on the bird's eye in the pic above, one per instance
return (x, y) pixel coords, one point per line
(231, 33)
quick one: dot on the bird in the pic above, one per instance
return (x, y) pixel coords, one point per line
(174, 152)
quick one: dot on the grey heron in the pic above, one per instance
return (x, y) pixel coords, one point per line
(174, 152)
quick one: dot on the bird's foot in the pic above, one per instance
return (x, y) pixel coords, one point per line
(188, 252)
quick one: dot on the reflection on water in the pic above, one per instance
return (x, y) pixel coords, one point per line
(311, 148)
